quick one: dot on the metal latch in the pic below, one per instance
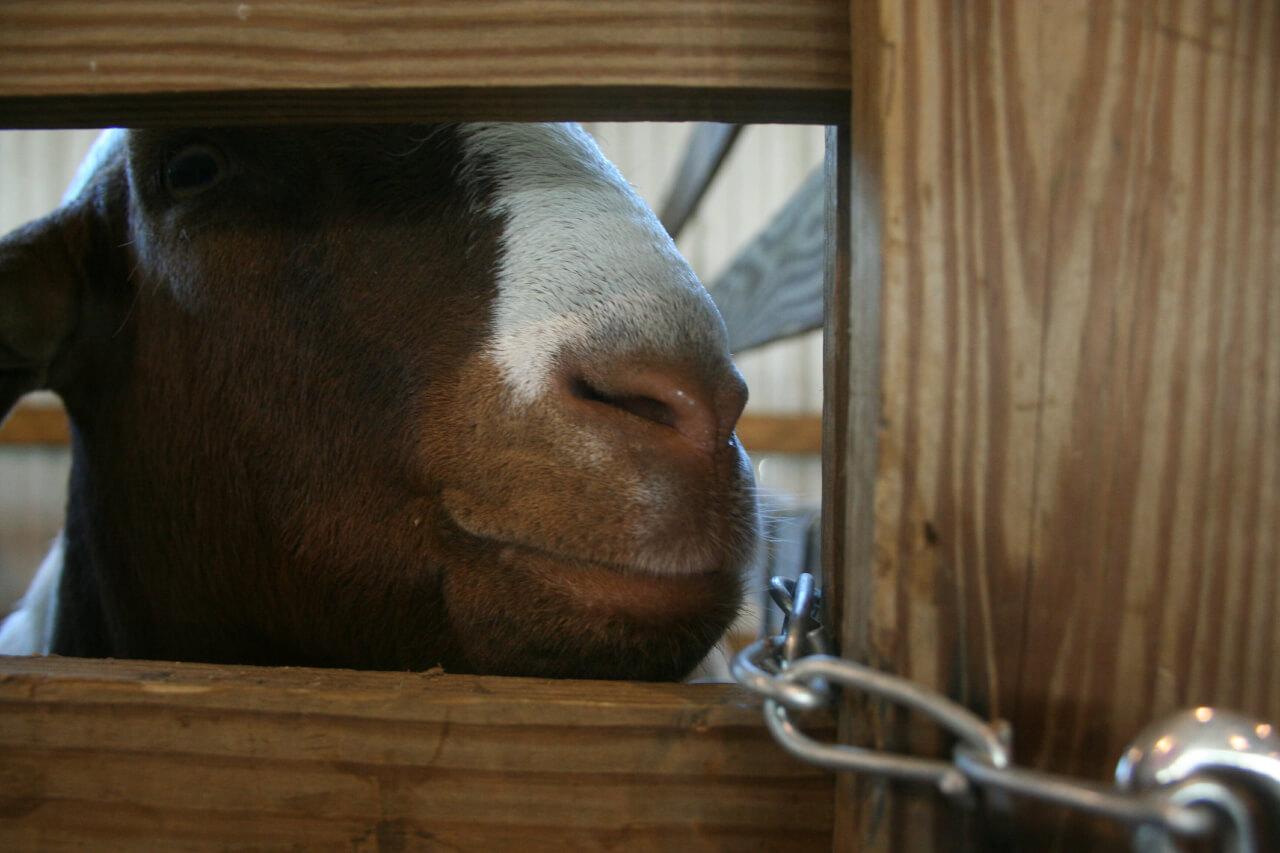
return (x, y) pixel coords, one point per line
(1198, 774)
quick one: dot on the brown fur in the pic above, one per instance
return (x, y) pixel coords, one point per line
(289, 448)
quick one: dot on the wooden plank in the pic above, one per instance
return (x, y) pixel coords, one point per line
(773, 288)
(710, 143)
(77, 63)
(1079, 469)
(47, 425)
(781, 433)
(127, 755)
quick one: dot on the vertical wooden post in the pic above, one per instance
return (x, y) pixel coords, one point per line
(1070, 230)
(851, 341)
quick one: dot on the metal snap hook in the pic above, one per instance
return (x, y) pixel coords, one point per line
(1206, 760)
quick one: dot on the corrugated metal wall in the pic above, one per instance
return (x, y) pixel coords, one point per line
(767, 164)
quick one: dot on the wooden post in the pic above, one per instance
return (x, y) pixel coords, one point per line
(1074, 214)
(97, 63)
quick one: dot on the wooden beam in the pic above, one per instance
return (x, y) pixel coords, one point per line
(773, 288)
(143, 755)
(47, 425)
(82, 63)
(1073, 231)
(708, 147)
(781, 433)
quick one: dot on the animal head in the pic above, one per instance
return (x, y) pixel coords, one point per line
(381, 397)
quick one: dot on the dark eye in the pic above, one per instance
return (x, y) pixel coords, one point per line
(193, 170)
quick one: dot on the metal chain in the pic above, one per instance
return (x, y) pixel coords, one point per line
(1163, 790)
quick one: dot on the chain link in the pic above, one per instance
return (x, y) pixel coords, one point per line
(794, 672)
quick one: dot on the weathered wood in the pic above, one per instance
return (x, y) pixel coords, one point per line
(66, 63)
(773, 288)
(122, 755)
(47, 425)
(710, 143)
(1079, 470)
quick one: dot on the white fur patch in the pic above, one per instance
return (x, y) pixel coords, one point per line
(586, 267)
(29, 628)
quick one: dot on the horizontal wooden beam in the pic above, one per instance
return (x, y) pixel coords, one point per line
(47, 425)
(781, 433)
(141, 755)
(83, 63)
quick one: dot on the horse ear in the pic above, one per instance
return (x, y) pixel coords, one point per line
(41, 285)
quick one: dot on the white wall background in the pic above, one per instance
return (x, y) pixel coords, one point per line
(765, 167)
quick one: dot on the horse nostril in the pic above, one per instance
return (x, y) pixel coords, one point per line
(702, 410)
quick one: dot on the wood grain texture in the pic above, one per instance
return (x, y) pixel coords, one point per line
(123, 755)
(152, 62)
(773, 288)
(1079, 462)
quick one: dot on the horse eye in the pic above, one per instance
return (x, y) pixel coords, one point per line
(193, 170)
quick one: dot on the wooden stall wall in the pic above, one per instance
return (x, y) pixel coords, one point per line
(1078, 486)
(119, 755)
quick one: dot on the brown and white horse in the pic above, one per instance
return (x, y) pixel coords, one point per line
(378, 397)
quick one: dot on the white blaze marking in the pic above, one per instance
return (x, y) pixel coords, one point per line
(585, 267)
